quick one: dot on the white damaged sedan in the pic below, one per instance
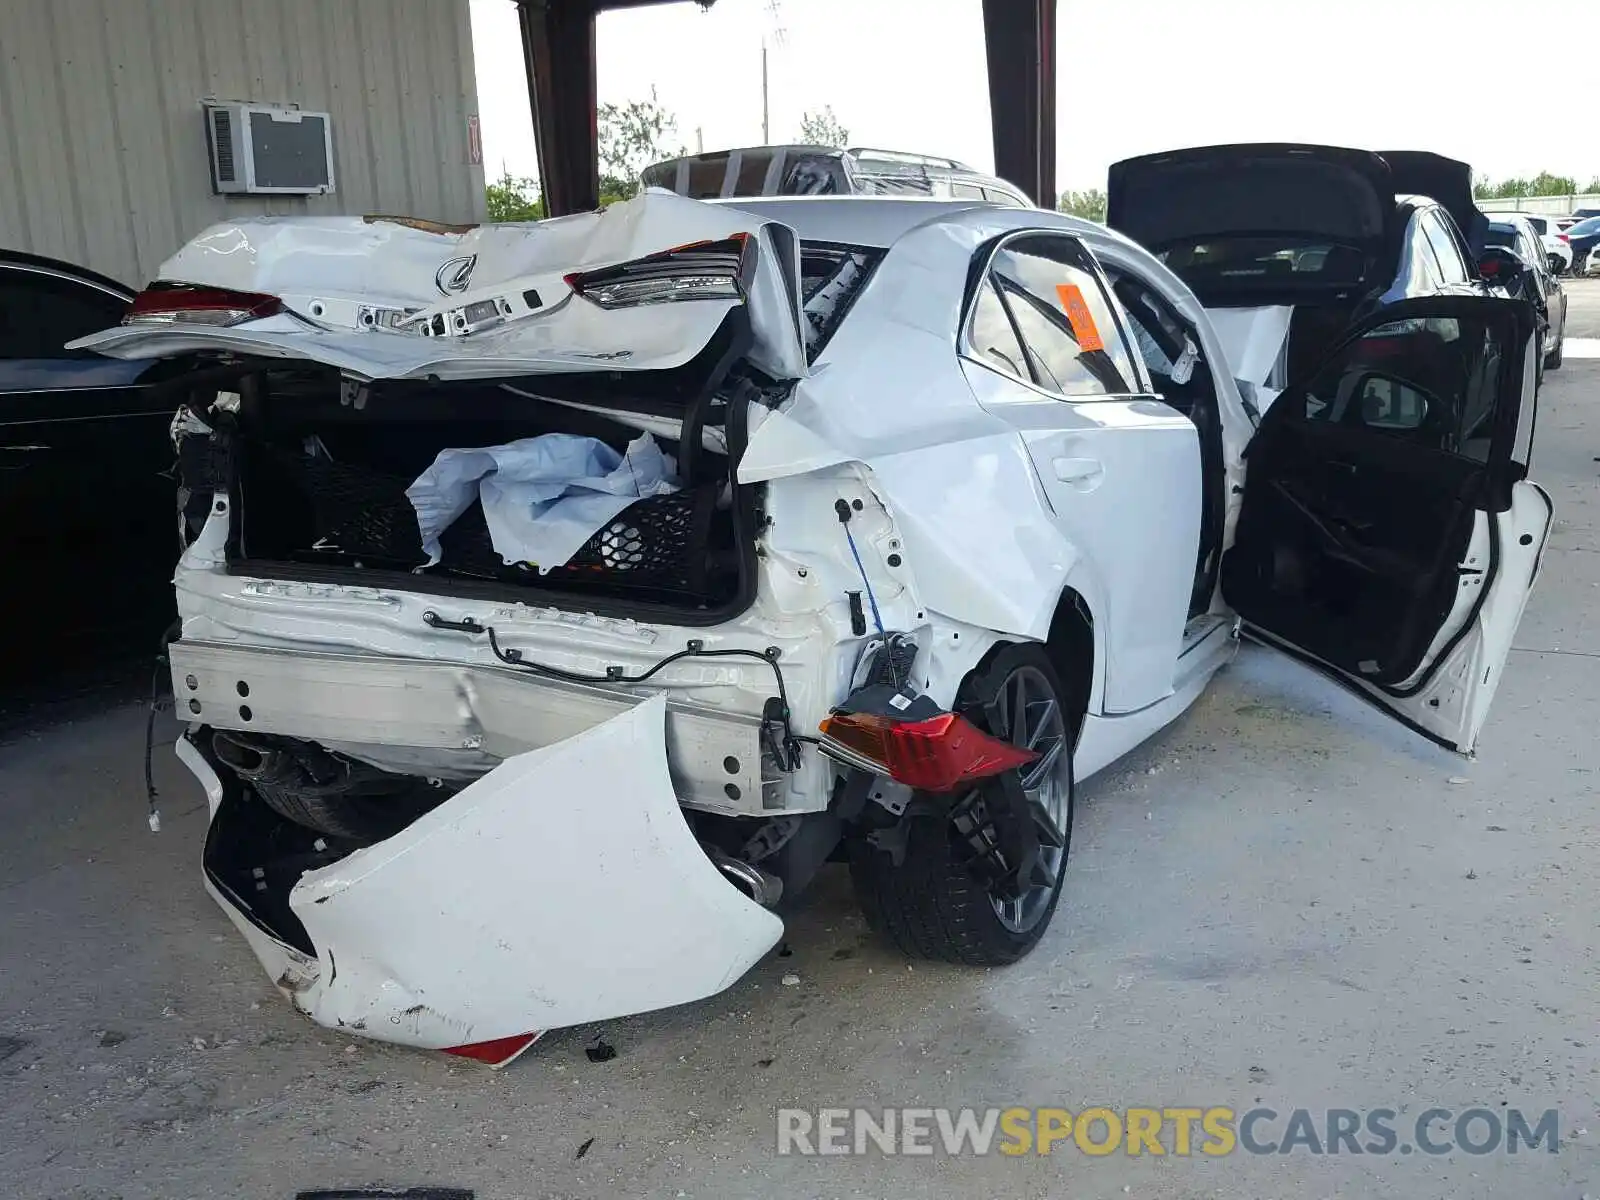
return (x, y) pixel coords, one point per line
(949, 509)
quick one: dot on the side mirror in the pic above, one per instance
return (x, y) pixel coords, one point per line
(1390, 404)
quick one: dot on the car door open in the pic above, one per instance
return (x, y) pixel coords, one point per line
(1388, 533)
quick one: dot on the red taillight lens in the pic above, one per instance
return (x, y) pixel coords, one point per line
(939, 754)
(182, 303)
(1489, 267)
(497, 1052)
(701, 271)
(1563, 237)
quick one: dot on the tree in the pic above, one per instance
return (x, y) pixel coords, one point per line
(514, 199)
(1090, 205)
(632, 136)
(1544, 183)
(823, 129)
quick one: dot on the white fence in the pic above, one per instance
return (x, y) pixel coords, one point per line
(1556, 205)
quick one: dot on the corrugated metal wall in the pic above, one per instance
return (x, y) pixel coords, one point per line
(102, 142)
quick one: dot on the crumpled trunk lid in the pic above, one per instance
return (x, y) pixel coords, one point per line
(393, 298)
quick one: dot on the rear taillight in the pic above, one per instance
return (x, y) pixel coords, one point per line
(497, 1052)
(939, 754)
(1489, 267)
(1563, 237)
(702, 271)
(186, 304)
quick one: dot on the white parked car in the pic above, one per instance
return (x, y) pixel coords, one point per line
(1557, 252)
(953, 513)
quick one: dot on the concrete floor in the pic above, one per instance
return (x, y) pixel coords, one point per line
(1283, 899)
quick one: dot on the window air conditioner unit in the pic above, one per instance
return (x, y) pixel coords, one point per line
(267, 149)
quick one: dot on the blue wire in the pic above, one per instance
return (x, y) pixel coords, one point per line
(871, 599)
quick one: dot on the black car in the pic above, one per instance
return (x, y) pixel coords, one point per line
(1514, 258)
(1332, 234)
(88, 537)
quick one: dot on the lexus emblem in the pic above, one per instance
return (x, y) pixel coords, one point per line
(454, 276)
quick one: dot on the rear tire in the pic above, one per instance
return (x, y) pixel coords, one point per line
(932, 905)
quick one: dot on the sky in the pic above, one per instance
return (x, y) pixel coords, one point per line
(1133, 77)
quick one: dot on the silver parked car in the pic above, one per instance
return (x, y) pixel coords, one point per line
(827, 171)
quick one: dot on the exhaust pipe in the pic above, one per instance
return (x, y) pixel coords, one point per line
(255, 760)
(765, 888)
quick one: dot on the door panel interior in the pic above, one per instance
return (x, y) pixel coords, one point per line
(1348, 548)
(1364, 484)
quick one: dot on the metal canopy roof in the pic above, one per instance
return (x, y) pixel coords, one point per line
(558, 48)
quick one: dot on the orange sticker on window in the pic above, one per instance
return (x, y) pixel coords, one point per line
(1081, 319)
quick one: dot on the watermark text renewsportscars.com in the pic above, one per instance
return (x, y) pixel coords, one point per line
(1181, 1131)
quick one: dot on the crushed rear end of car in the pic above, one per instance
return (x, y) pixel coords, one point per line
(461, 793)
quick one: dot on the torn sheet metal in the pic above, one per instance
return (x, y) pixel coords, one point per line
(386, 299)
(543, 497)
(563, 887)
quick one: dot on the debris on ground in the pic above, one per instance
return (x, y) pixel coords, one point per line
(584, 1149)
(110, 1037)
(790, 980)
(601, 1051)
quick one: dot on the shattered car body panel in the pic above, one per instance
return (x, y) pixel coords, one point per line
(905, 515)
(494, 915)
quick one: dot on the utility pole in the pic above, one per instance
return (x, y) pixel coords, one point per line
(778, 36)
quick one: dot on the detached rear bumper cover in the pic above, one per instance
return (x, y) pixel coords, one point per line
(564, 886)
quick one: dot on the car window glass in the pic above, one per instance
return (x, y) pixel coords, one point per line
(1451, 266)
(1009, 199)
(966, 191)
(1429, 380)
(993, 337)
(1539, 225)
(1532, 253)
(40, 313)
(1069, 329)
(706, 177)
(753, 167)
(1422, 255)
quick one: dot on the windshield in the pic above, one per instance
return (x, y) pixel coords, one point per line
(1585, 227)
